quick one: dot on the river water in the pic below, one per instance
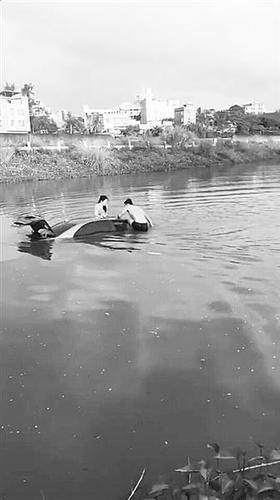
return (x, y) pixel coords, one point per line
(135, 351)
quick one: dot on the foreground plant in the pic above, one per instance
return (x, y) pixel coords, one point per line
(257, 477)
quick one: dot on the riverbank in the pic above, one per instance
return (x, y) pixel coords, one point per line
(16, 166)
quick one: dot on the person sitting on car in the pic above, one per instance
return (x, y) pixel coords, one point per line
(101, 207)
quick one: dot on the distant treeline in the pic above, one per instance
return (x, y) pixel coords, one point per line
(236, 121)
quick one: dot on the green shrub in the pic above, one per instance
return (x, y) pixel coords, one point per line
(81, 161)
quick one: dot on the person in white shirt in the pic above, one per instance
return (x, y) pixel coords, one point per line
(101, 207)
(135, 216)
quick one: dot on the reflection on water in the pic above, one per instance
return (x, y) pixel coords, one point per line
(127, 242)
(36, 246)
(131, 351)
(43, 248)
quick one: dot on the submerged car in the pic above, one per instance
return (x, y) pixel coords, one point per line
(75, 228)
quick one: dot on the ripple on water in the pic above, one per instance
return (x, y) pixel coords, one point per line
(220, 306)
(120, 336)
(242, 290)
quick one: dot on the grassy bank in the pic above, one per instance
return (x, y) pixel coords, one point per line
(81, 162)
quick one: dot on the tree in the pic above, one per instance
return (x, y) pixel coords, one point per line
(220, 117)
(44, 125)
(28, 90)
(10, 87)
(74, 124)
(270, 120)
(156, 131)
(204, 123)
(238, 117)
(178, 136)
(131, 130)
(236, 113)
(96, 123)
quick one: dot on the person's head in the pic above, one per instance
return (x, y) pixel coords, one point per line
(128, 201)
(103, 198)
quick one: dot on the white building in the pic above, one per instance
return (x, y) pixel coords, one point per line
(59, 117)
(254, 108)
(39, 109)
(110, 120)
(132, 109)
(14, 113)
(185, 114)
(154, 111)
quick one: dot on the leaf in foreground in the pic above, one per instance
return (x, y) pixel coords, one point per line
(266, 488)
(260, 458)
(214, 446)
(158, 489)
(227, 484)
(191, 487)
(187, 468)
(204, 471)
(224, 455)
(251, 484)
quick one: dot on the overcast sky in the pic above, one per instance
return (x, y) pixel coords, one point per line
(213, 53)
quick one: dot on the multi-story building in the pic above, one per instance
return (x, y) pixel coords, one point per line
(154, 111)
(14, 113)
(109, 120)
(132, 109)
(253, 108)
(38, 109)
(185, 114)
